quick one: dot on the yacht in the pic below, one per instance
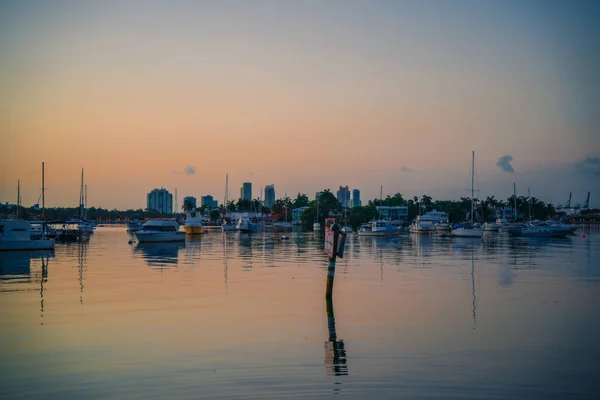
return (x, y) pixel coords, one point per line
(42, 231)
(15, 234)
(539, 228)
(569, 227)
(378, 228)
(160, 231)
(442, 227)
(491, 227)
(193, 224)
(134, 225)
(423, 225)
(70, 232)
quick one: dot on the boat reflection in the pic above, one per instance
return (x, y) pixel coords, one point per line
(160, 255)
(16, 265)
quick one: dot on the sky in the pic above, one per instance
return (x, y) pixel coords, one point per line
(304, 95)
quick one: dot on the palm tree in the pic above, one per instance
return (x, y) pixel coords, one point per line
(188, 205)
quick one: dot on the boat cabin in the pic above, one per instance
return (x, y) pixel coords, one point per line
(15, 230)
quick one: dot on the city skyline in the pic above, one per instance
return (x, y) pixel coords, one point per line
(364, 94)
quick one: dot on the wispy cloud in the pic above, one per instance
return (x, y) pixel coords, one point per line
(590, 165)
(188, 170)
(504, 163)
(404, 168)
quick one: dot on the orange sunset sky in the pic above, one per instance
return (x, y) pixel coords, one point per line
(305, 95)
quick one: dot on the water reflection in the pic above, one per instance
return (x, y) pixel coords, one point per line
(160, 255)
(335, 350)
(15, 266)
(43, 280)
(473, 285)
(81, 264)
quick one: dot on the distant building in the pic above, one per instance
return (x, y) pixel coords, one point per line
(399, 213)
(356, 198)
(297, 215)
(269, 195)
(209, 202)
(343, 196)
(246, 191)
(317, 195)
(191, 199)
(160, 200)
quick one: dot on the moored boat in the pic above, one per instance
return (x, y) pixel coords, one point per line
(423, 225)
(193, 223)
(16, 235)
(491, 227)
(249, 225)
(160, 231)
(378, 228)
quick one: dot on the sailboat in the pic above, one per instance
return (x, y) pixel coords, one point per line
(317, 225)
(470, 231)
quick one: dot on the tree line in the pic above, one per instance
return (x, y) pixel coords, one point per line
(317, 210)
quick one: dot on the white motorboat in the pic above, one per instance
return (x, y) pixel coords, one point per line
(15, 234)
(42, 231)
(491, 227)
(557, 224)
(160, 231)
(423, 225)
(470, 230)
(347, 229)
(442, 227)
(378, 228)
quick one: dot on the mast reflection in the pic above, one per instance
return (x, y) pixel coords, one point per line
(42, 281)
(335, 350)
(81, 264)
(473, 286)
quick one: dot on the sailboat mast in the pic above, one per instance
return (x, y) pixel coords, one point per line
(515, 200)
(226, 189)
(18, 196)
(472, 185)
(81, 197)
(85, 202)
(43, 199)
(529, 195)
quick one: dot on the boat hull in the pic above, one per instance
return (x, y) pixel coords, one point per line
(421, 231)
(41, 244)
(193, 230)
(466, 232)
(372, 234)
(146, 237)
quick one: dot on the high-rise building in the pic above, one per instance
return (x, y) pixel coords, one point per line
(356, 198)
(343, 196)
(269, 195)
(246, 191)
(209, 201)
(160, 200)
(191, 199)
(317, 195)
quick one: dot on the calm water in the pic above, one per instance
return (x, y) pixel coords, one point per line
(238, 316)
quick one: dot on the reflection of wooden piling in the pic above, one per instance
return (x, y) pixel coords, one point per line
(335, 351)
(330, 277)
